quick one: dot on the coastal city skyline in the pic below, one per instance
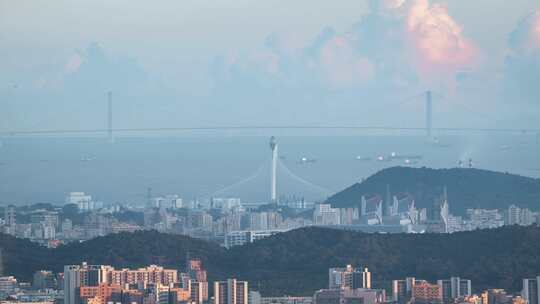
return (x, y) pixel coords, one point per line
(270, 152)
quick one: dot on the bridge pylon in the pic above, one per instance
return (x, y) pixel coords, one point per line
(109, 118)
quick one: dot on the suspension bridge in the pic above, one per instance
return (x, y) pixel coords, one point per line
(428, 128)
(276, 166)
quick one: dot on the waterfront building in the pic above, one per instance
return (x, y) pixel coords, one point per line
(426, 293)
(231, 292)
(454, 288)
(349, 278)
(349, 296)
(531, 290)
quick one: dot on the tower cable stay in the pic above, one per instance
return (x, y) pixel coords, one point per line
(393, 102)
(319, 189)
(242, 181)
(443, 98)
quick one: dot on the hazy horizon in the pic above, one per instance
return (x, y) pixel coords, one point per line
(200, 63)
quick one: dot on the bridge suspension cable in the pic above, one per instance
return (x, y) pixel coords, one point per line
(255, 127)
(319, 189)
(410, 99)
(241, 182)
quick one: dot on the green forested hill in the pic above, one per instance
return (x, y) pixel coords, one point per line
(467, 188)
(296, 262)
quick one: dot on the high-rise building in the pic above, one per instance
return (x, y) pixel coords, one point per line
(198, 282)
(45, 217)
(44, 279)
(499, 296)
(84, 202)
(349, 296)
(484, 219)
(402, 289)
(231, 292)
(225, 204)
(399, 291)
(169, 201)
(348, 278)
(348, 216)
(84, 275)
(76, 276)
(149, 275)
(173, 295)
(531, 290)
(426, 293)
(100, 294)
(324, 214)
(513, 215)
(371, 210)
(130, 296)
(199, 291)
(10, 220)
(439, 215)
(366, 279)
(195, 270)
(285, 300)
(8, 285)
(527, 217)
(238, 238)
(454, 288)
(254, 297)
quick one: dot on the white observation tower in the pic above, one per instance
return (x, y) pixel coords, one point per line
(273, 185)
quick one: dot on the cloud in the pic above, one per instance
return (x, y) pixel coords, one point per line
(526, 36)
(378, 6)
(341, 65)
(330, 61)
(94, 70)
(522, 64)
(73, 64)
(398, 45)
(437, 39)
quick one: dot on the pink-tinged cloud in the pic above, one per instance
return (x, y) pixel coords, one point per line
(437, 39)
(73, 64)
(533, 41)
(341, 66)
(392, 4)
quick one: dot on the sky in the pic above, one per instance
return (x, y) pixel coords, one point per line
(241, 62)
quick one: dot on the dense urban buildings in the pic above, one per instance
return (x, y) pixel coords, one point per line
(104, 284)
(231, 222)
(152, 284)
(349, 296)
